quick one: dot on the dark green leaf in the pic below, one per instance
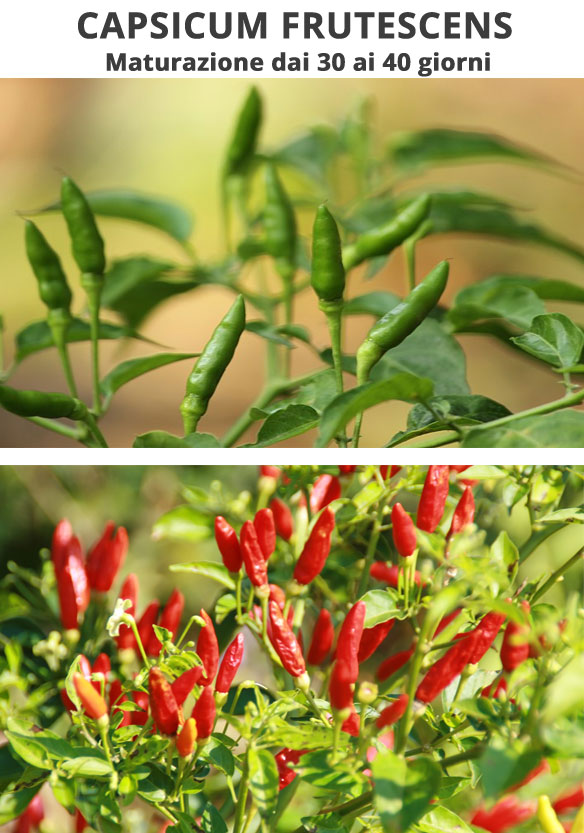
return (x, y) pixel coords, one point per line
(403, 791)
(286, 423)
(315, 768)
(209, 569)
(554, 339)
(37, 336)
(132, 368)
(263, 780)
(505, 764)
(548, 289)
(563, 429)
(212, 820)
(128, 273)
(463, 410)
(268, 331)
(485, 300)
(373, 303)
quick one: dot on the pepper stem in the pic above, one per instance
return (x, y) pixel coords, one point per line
(58, 324)
(92, 285)
(334, 317)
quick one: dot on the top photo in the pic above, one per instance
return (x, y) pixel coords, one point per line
(297, 263)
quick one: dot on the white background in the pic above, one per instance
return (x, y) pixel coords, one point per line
(40, 38)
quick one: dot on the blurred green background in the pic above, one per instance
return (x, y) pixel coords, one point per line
(168, 137)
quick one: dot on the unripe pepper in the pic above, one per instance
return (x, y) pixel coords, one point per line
(384, 239)
(316, 550)
(403, 531)
(372, 638)
(228, 545)
(253, 557)
(183, 685)
(229, 665)
(515, 647)
(36, 403)
(169, 619)
(265, 528)
(392, 713)
(93, 703)
(547, 816)
(73, 590)
(163, 705)
(390, 573)
(392, 664)
(208, 649)
(282, 518)
(186, 740)
(86, 241)
(46, 265)
(347, 649)
(433, 498)
(212, 364)
(327, 274)
(323, 635)
(204, 713)
(245, 135)
(125, 638)
(326, 488)
(393, 327)
(285, 643)
(279, 224)
(464, 512)
(106, 557)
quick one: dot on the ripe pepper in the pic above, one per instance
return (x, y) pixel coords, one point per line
(352, 724)
(102, 666)
(183, 685)
(125, 639)
(384, 239)
(390, 573)
(32, 816)
(63, 538)
(85, 669)
(327, 274)
(372, 638)
(464, 512)
(229, 665)
(285, 643)
(208, 649)
(283, 758)
(186, 740)
(169, 619)
(393, 327)
(433, 498)
(279, 225)
(73, 590)
(322, 639)
(243, 143)
(93, 703)
(80, 822)
(228, 545)
(316, 550)
(204, 713)
(403, 531)
(506, 813)
(163, 705)
(483, 635)
(496, 689)
(212, 364)
(570, 800)
(515, 647)
(347, 650)
(253, 557)
(547, 816)
(340, 688)
(392, 664)
(265, 528)
(282, 518)
(326, 488)
(146, 621)
(392, 713)
(384, 469)
(86, 241)
(106, 557)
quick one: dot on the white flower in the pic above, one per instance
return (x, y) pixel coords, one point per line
(119, 617)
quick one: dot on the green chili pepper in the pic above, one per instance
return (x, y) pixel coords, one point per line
(34, 403)
(86, 241)
(383, 240)
(398, 323)
(211, 365)
(328, 275)
(244, 140)
(279, 224)
(53, 287)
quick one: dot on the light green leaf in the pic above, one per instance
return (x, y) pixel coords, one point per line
(209, 569)
(381, 605)
(563, 429)
(442, 820)
(13, 804)
(403, 791)
(184, 523)
(162, 439)
(132, 368)
(565, 694)
(263, 780)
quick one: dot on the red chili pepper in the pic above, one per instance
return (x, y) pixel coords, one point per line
(115, 698)
(496, 689)
(73, 590)
(126, 639)
(390, 573)
(393, 664)
(446, 620)
(228, 545)
(204, 713)
(384, 469)
(277, 595)
(392, 713)
(323, 635)
(253, 557)
(102, 665)
(515, 647)
(63, 538)
(316, 550)
(542, 767)
(282, 518)
(80, 822)
(85, 669)
(484, 635)
(93, 703)
(163, 705)
(346, 470)
(433, 498)
(285, 643)
(459, 470)
(569, 800)
(340, 688)
(32, 816)
(283, 758)
(270, 471)
(169, 619)
(186, 740)
(349, 640)
(142, 700)
(445, 670)
(404, 531)
(351, 724)
(106, 557)
(506, 813)
(208, 649)
(230, 664)
(265, 528)
(372, 638)
(464, 512)
(146, 621)
(326, 488)
(183, 685)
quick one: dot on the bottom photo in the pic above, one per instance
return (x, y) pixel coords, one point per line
(296, 649)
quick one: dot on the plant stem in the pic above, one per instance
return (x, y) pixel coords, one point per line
(241, 797)
(334, 317)
(547, 408)
(557, 574)
(371, 548)
(92, 284)
(134, 627)
(50, 425)
(444, 439)
(58, 324)
(404, 726)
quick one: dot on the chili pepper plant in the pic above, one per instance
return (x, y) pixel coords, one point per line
(381, 654)
(272, 198)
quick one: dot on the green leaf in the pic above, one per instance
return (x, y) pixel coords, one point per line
(554, 339)
(416, 150)
(37, 336)
(184, 523)
(31, 753)
(286, 423)
(129, 273)
(311, 153)
(212, 820)
(263, 780)
(220, 756)
(125, 204)
(373, 303)
(315, 768)
(88, 766)
(504, 551)
(13, 804)
(565, 694)
(381, 606)
(403, 791)
(486, 300)
(402, 386)
(463, 410)
(504, 764)
(269, 332)
(132, 368)
(442, 820)
(564, 516)
(563, 429)
(209, 569)
(548, 289)
(162, 439)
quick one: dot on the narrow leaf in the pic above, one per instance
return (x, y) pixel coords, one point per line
(132, 368)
